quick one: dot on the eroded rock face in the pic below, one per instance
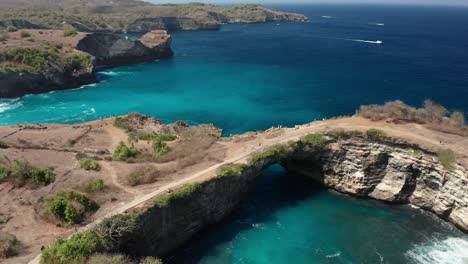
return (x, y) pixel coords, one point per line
(383, 170)
(112, 49)
(13, 84)
(389, 172)
(20, 24)
(171, 24)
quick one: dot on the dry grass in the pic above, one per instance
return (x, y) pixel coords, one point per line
(432, 115)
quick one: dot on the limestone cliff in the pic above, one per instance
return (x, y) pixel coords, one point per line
(110, 49)
(390, 171)
(387, 170)
(58, 77)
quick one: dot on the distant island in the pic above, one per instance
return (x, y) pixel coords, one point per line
(54, 45)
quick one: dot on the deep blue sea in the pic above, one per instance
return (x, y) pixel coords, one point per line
(250, 77)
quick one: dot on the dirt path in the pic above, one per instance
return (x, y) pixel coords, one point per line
(418, 135)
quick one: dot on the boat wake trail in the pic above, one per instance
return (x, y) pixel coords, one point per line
(367, 41)
(450, 250)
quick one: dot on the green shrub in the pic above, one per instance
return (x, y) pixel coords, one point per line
(160, 148)
(8, 245)
(122, 122)
(185, 191)
(41, 176)
(123, 152)
(118, 229)
(70, 32)
(273, 152)
(74, 250)
(4, 173)
(148, 136)
(314, 139)
(25, 34)
(20, 169)
(231, 170)
(375, 133)
(88, 164)
(33, 59)
(11, 29)
(82, 60)
(150, 260)
(94, 185)
(70, 206)
(447, 158)
(3, 145)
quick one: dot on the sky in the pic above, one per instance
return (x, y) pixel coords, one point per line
(420, 2)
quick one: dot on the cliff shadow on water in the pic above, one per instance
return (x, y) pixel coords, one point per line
(275, 189)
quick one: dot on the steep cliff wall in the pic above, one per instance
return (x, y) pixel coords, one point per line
(389, 171)
(111, 49)
(59, 77)
(386, 170)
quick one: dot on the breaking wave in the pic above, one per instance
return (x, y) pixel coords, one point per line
(451, 250)
(9, 105)
(328, 17)
(377, 24)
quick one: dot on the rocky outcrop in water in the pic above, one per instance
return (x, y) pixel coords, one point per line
(112, 49)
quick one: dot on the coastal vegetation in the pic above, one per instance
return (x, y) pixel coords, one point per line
(9, 245)
(21, 172)
(447, 158)
(70, 32)
(181, 193)
(94, 185)
(231, 170)
(144, 175)
(122, 152)
(274, 152)
(36, 60)
(314, 139)
(70, 206)
(89, 164)
(375, 133)
(95, 245)
(433, 115)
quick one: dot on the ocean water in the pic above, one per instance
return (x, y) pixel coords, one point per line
(249, 77)
(288, 219)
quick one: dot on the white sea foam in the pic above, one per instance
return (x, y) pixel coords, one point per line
(377, 24)
(10, 105)
(367, 41)
(112, 73)
(337, 254)
(451, 250)
(328, 17)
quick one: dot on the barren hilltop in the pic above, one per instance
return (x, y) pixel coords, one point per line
(161, 184)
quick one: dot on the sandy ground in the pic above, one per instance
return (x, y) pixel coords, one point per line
(51, 145)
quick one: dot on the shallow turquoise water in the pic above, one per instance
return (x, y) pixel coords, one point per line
(249, 77)
(288, 219)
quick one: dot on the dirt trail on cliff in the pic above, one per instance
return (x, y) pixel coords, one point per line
(242, 151)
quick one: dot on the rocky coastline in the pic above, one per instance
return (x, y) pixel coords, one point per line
(105, 49)
(382, 169)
